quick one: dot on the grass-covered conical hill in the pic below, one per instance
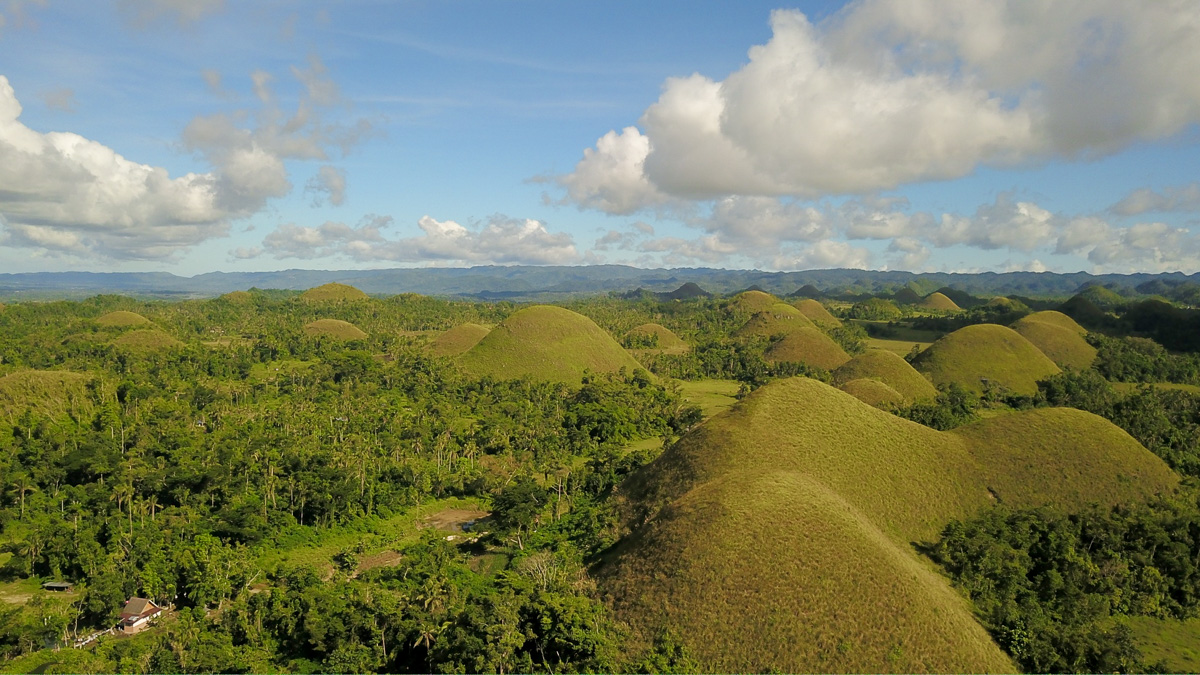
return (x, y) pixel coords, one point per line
(122, 319)
(816, 311)
(146, 339)
(333, 292)
(1058, 337)
(939, 301)
(546, 343)
(985, 352)
(663, 339)
(777, 536)
(778, 319)
(47, 391)
(458, 340)
(889, 368)
(809, 346)
(751, 301)
(334, 328)
(874, 393)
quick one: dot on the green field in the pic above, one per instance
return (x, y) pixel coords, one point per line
(712, 396)
(1172, 642)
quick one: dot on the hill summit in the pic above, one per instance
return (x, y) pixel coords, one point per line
(333, 292)
(985, 355)
(546, 343)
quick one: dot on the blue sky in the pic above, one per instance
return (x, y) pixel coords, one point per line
(929, 135)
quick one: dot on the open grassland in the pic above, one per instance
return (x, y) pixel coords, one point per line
(668, 341)
(1058, 337)
(873, 393)
(750, 302)
(47, 391)
(816, 311)
(939, 302)
(148, 339)
(333, 292)
(780, 319)
(1173, 642)
(122, 319)
(809, 346)
(986, 352)
(711, 396)
(546, 343)
(458, 340)
(897, 347)
(888, 368)
(1126, 387)
(777, 535)
(334, 328)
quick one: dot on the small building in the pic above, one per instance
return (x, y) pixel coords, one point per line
(59, 586)
(137, 614)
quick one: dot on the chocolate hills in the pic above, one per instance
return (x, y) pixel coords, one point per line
(546, 343)
(334, 328)
(816, 312)
(458, 340)
(752, 301)
(122, 319)
(1058, 337)
(333, 292)
(664, 340)
(777, 536)
(939, 301)
(777, 318)
(809, 346)
(985, 352)
(888, 368)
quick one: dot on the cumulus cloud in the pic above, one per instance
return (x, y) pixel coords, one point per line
(63, 193)
(329, 183)
(501, 240)
(1145, 200)
(886, 93)
(143, 13)
(828, 254)
(907, 254)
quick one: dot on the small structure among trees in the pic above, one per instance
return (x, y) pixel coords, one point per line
(137, 614)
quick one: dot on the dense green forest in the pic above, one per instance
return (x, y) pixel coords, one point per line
(274, 485)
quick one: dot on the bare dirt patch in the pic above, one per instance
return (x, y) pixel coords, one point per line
(452, 520)
(381, 559)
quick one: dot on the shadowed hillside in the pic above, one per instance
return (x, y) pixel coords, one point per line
(1058, 337)
(333, 292)
(973, 354)
(889, 368)
(777, 536)
(546, 343)
(809, 346)
(334, 328)
(458, 340)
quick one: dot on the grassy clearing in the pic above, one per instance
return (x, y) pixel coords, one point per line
(1174, 642)
(458, 340)
(122, 319)
(808, 346)
(1059, 337)
(711, 396)
(898, 347)
(1127, 387)
(334, 328)
(888, 368)
(777, 535)
(547, 343)
(333, 292)
(150, 339)
(997, 354)
(47, 391)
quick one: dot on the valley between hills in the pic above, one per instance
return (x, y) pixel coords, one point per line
(825, 480)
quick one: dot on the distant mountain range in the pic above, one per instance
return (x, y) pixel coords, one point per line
(525, 283)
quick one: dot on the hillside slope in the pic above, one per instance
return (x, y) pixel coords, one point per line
(889, 368)
(997, 354)
(1058, 337)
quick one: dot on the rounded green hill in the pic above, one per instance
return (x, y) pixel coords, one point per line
(873, 393)
(333, 292)
(147, 339)
(546, 343)
(334, 328)
(778, 319)
(48, 391)
(985, 353)
(816, 312)
(238, 297)
(939, 301)
(122, 319)
(666, 341)
(752, 301)
(458, 339)
(1058, 337)
(776, 536)
(889, 368)
(809, 346)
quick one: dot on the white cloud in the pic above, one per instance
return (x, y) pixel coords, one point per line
(828, 254)
(888, 93)
(908, 254)
(63, 193)
(329, 183)
(1145, 200)
(501, 240)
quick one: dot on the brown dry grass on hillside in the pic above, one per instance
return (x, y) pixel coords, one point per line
(333, 292)
(873, 393)
(779, 319)
(808, 346)
(816, 311)
(889, 368)
(939, 302)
